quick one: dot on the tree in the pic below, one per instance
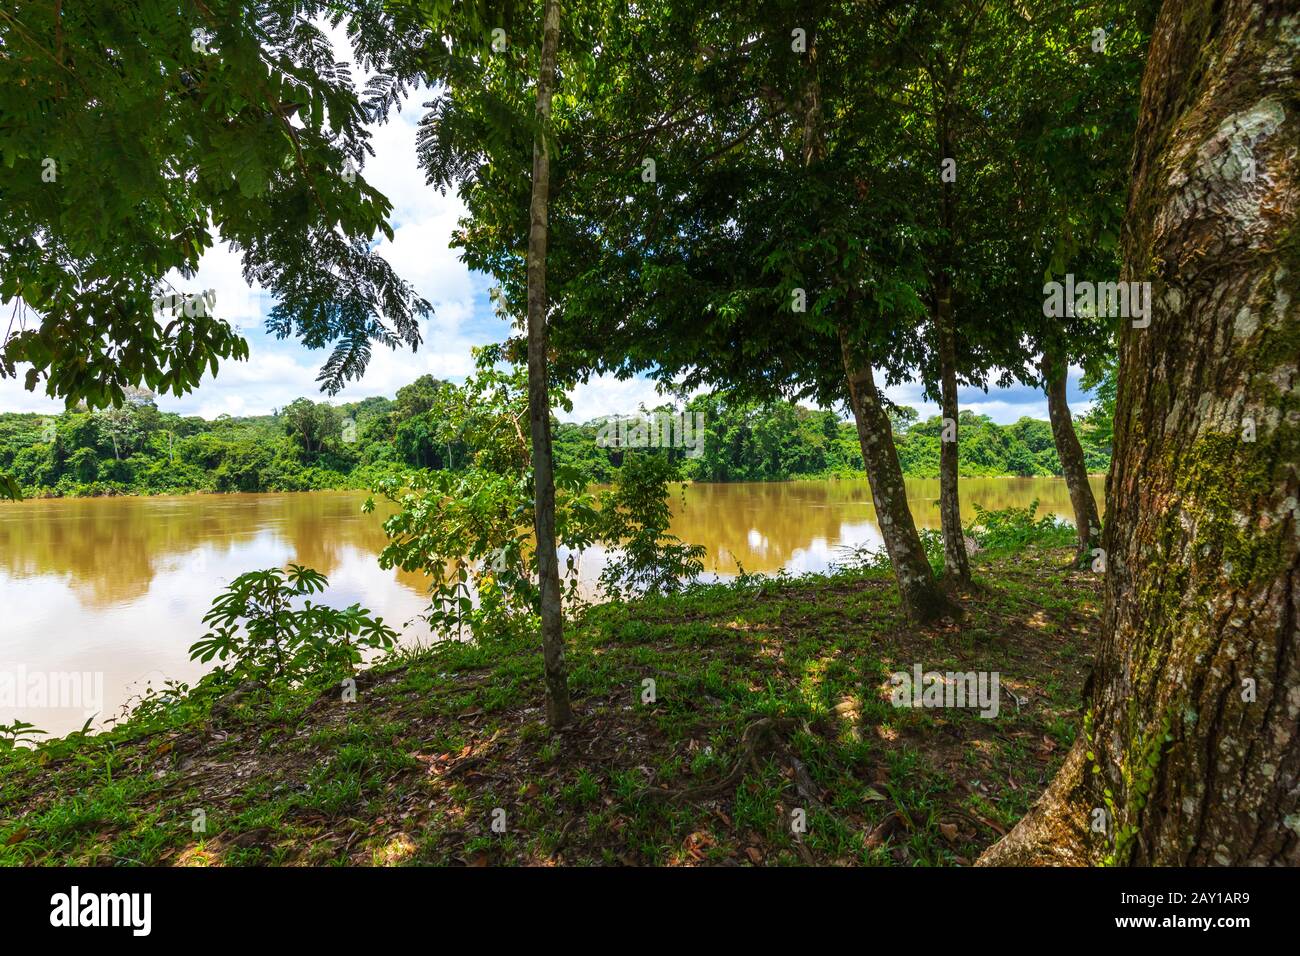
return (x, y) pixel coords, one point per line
(1016, 127)
(832, 135)
(312, 425)
(1087, 523)
(1099, 420)
(471, 532)
(122, 426)
(921, 597)
(418, 440)
(1191, 743)
(941, 58)
(129, 128)
(476, 118)
(751, 254)
(902, 417)
(1021, 461)
(558, 711)
(420, 396)
(1076, 111)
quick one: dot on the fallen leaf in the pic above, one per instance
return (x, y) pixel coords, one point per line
(886, 826)
(949, 831)
(698, 842)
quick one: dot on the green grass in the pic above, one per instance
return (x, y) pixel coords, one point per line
(439, 740)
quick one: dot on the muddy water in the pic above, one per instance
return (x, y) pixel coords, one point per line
(105, 594)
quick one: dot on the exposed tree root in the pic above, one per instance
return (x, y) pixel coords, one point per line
(766, 733)
(757, 736)
(1055, 831)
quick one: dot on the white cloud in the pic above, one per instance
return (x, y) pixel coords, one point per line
(605, 395)
(15, 398)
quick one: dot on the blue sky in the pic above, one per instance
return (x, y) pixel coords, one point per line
(277, 372)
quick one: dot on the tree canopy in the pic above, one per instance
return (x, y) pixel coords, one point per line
(132, 140)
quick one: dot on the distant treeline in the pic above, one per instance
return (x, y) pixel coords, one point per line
(137, 449)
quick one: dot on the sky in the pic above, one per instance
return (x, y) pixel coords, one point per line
(277, 372)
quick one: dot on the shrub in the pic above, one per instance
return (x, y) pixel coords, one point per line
(644, 558)
(257, 627)
(1012, 529)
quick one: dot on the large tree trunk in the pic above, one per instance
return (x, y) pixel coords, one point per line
(1070, 452)
(558, 712)
(1192, 741)
(922, 598)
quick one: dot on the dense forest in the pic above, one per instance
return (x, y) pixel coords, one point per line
(136, 449)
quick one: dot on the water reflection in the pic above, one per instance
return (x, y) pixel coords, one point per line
(800, 526)
(120, 585)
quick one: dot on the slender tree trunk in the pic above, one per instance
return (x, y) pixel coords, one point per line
(1191, 746)
(558, 712)
(956, 565)
(1070, 452)
(955, 561)
(922, 598)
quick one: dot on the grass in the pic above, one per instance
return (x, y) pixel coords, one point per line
(445, 757)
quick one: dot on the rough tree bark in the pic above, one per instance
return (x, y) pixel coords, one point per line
(1194, 722)
(1070, 452)
(921, 597)
(558, 711)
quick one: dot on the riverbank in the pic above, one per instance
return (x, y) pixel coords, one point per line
(309, 446)
(769, 696)
(366, 481)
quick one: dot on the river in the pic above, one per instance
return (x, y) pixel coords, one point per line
(108, 593)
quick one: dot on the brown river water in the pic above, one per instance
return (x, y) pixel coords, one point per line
(99, 596)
